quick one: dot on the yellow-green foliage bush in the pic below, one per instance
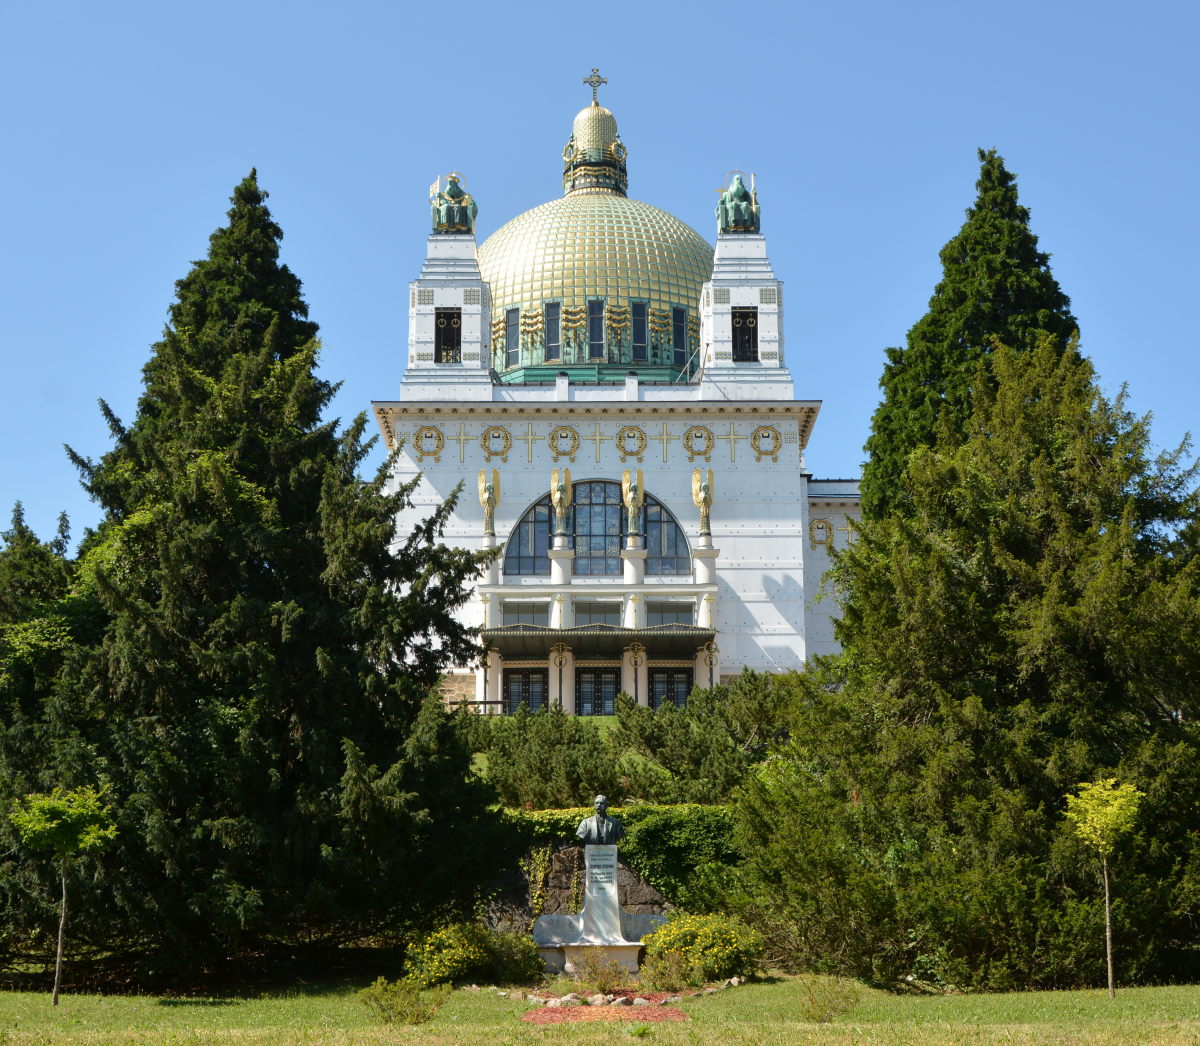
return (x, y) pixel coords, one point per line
(467, 952)
(712, 946)
(403, 1002)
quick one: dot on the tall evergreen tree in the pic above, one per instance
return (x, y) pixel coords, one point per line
(1032, 625)
(261, 702)
(996, 284)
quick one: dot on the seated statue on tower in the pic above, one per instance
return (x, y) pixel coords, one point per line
(453, 207)
(738, 210)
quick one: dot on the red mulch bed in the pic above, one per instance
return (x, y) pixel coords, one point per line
(570, 1014)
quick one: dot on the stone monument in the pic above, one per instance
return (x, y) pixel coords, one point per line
(602, 926)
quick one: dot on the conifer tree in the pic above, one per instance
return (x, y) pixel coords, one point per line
(261, 702)
(996, 284)
(1033, 623)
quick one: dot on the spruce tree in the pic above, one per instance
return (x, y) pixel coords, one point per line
(1033, 624)
(996, 284)
(262, 702)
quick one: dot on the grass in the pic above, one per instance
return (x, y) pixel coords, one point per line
(755, 1013)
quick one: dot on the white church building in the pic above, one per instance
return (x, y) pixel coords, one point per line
(614, 396)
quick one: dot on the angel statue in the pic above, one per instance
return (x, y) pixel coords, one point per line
(702, 496)
(560, 498)
(489, 498)
(633, 493)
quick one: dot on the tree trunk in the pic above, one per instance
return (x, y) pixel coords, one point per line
(62, 922)
(1112, 986)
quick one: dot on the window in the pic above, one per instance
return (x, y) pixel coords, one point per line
(679, 335)
(637, 312)
(745, 335)
(596, 523)
(552, 320)
(527, 614)
(598, 528)
(666, 548)
(595, 308)
(596, 691)
(512, 337)
(598, 614)
(524, 686)
(670, 686)
(527, 548)
(447, 336)
(669, 613)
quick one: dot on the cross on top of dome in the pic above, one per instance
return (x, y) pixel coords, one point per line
(595, 80)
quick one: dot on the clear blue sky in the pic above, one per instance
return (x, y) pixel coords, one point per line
(126, 126)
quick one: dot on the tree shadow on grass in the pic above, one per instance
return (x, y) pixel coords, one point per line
(200, 1002)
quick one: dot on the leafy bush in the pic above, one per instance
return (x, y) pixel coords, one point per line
(596, 971)
(467, 952)
(403, 1002)
(682, 851)
(822, 998)
(669, 972)
(713, 946)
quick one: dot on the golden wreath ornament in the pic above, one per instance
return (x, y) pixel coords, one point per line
(556, 438)
(820, 532)
(766, 441)
(487, 442)
(631, 432)
(698, 442)
(428, 442)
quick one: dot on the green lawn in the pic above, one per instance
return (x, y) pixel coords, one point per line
(755, 1013)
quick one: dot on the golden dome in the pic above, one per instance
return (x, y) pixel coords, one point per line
(595, 128)
(595, 243)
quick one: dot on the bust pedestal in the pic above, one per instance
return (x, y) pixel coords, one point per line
(600, 927)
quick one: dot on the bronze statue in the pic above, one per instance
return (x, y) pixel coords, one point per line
(600, 829)
(633, 494)
(560, 498)
(702, 496)
(453, 207)
(738, 210)
(489, 498)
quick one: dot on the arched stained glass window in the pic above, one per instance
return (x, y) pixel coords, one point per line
(596, 525)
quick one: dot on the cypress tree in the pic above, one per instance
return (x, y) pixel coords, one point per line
(996, 284)
(262, 701)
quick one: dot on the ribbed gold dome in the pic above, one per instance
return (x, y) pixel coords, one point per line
(595, 128)
(645, 266)
(595, 244)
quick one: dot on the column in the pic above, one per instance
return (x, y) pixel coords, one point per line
(562, 677)
(635, 676)
(561, 561)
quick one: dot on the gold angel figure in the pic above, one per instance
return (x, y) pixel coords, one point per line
(489, 498)
(633, 493)
(702, 496)
(560, 498)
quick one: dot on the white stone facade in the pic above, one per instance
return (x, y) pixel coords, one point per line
(751, 588)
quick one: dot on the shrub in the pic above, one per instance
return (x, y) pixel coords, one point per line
(669, 972)
(514, 958)
(595, 970)
(467, 952)
(403, 1002)
(713, 946)
(822, 998)
(683, 851)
